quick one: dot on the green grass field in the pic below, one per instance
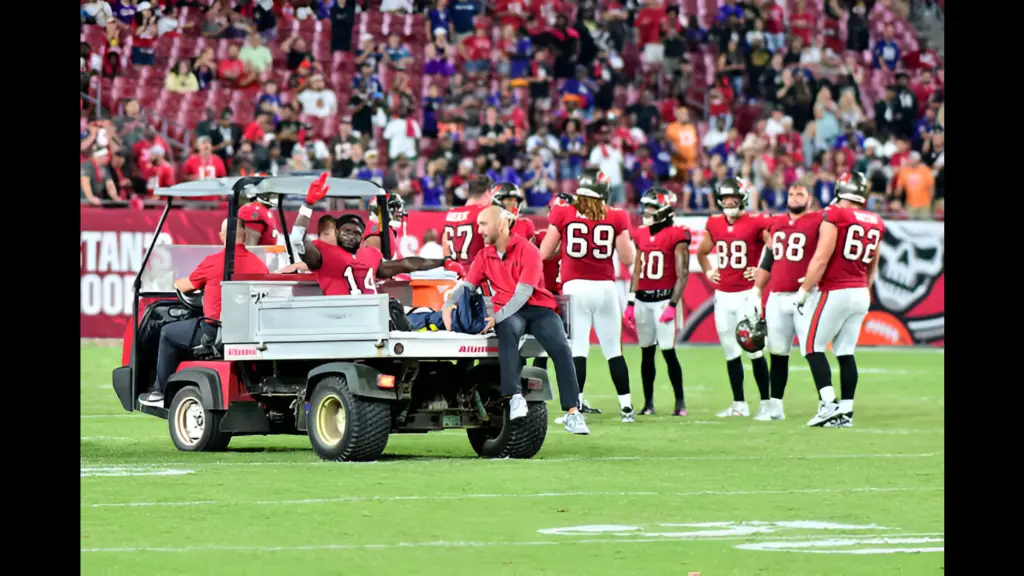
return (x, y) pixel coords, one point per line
(662, 496)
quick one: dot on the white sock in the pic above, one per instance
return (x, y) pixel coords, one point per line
(828, 395)
(739, 405)
(846, 406)
(625, 401)
(581, 399)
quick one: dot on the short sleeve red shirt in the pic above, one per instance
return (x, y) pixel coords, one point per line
(210, 272)
(521, 265)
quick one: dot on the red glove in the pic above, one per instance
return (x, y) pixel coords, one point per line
(630, 316)
(453, 266)
(669, 315)
(317, 190)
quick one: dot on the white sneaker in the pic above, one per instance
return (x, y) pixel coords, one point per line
(575, 423)
(517, 407)
(826, 413)
(765, 411)
(628, 415)
(777, 412)
(154, 399)
(736, 409)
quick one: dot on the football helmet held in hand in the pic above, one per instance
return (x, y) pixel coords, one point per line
(751, 337)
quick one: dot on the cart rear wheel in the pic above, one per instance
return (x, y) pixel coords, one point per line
(193, 428)
(344, 427)
(521, 438)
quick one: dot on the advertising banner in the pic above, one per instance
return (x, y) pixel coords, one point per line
(908, 304)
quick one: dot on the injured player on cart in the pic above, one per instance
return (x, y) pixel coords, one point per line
(347, 268)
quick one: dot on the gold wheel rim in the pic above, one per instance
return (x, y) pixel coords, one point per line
(330, 419)
(189, 421)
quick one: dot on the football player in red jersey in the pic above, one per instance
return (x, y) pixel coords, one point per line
(590, 232)
(737, 239)
(460, 240)
(259, 218)
(843, 268)
(552, 271)
(659, 277)
(398, 215)
(346, 268)
(513, 200)
(792, 239)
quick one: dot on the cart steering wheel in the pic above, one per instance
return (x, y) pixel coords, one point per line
(193, 299)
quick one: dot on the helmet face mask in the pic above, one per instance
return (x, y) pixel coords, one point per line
(252, 195)
(510, 197)
(735, 188)
(852, 187)
(658, 206)
(396, 210)
(594, 183)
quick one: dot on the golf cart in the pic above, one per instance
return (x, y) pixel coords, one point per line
(288, 360)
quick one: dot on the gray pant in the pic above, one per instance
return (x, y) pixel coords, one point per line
(544, 325)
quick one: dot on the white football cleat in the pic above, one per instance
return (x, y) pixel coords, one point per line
(777, 412)
(736, 409)
(826, 413)
(628, 415)
(765, 411)
(575, 423)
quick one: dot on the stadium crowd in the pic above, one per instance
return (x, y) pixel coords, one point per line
(422, 96)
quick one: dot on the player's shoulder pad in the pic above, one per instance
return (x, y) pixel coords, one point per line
(683, 233)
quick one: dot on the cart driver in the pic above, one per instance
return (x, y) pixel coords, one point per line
(178, 338)
(346, 268)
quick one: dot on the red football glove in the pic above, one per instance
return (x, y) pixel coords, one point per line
(317, 190)
(453, 266)
(630, 316)
(669, 315)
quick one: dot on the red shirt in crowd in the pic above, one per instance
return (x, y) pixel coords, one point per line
(210, 272)
(157, 176)
(801, 25)
(477, 47)
(204, 168)
(511, 12)
(648, 24)
(775, 19)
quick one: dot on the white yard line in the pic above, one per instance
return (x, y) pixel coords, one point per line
(479, 461)
(437, 497)
(462, 544)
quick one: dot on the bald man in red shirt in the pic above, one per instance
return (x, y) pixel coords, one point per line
(511, 265)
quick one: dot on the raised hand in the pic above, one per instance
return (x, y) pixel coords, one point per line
(317, 190)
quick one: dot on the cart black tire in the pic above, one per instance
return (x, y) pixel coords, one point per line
(366, 423)
(186, 407)
(521, 438)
